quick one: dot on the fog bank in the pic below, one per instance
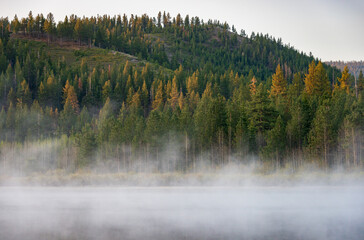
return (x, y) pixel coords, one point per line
(182, 213)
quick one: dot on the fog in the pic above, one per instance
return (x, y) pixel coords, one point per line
(315, 212)
(44, 196)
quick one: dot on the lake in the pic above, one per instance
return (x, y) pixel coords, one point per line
(311, 212)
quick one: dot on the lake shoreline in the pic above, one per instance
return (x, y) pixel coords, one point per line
(57, 178)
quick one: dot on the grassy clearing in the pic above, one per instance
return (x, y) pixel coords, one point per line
(73, 54)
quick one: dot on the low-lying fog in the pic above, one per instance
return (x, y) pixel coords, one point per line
(315, 212)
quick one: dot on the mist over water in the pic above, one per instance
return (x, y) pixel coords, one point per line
(315, 212)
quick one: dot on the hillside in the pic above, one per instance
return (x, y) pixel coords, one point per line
(168, 94)
(354, 66)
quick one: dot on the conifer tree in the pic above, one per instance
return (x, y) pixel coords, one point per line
(64, 90)
(106, 90)
(279, 84)
(173, 95)
(49, 26)
(310, 79)
(158, 99)
(260, 115)
(321, 84)
(361, 82)
(135, 101)
(70, 112)
(344, 80)
(192, 83)
(10, 122)
(2, 124)
(295, 89)
(86, 144)
(252, 86)
(11, 96)
(276, 142)
(320, 136)
(145, 98)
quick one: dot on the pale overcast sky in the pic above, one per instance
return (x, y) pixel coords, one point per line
(330, 29)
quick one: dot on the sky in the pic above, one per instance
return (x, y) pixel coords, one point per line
(329, 29)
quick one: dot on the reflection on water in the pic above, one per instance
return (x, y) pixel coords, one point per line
(182, 213)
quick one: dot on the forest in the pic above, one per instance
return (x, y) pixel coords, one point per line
(168, 94)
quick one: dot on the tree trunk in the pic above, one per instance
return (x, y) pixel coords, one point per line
(354, 146)
(229, 150)
(118, 157)
(325, 150)
(147, 159)
(186, 147)
(124, 158)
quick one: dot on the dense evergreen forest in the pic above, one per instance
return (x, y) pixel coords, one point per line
(182, 95)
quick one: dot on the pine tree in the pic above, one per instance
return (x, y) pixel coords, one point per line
(105, 122)
(260, 113)
(2, 124)
(24, 95)
(344, 80)
(295, 89)
(11, 97)
(276, 142)
(10, 122)
(320, 136)
(106, 90)
(135, 103)
(82, 119)
(49, 26)
(192, 83)
(72, 101)
(361, 82)
(321, 84)
(69, 114)
(86, 144)
(159, 98)
(64, 90)
(173, 95)
(279, 84)
(252, 86)
(310, 79)
(145, 98)
(36, 117)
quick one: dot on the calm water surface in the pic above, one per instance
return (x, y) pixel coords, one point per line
(182, 213)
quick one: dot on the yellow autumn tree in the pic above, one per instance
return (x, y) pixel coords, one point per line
(158, 99)
(344, 80)
(316, 80)
(192, 83)
(106, 90)
(72, 101)
(279, 84)
(253, 86)
(65, 91)
(180, 100)
(135, 100)
(173, 95)
(310, 79)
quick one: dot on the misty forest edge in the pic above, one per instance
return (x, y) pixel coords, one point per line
(168, 94)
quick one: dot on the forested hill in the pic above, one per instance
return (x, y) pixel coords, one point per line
(118, 91)
(210, 47)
